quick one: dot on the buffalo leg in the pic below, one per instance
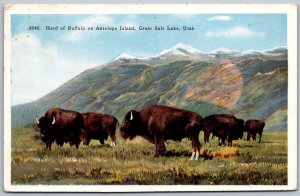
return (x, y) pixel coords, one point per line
(156, 148)
(229, 142)
(248, 136)
(259, 137)
(112, 144)
(219, 141)
(160, 147)
(77, 143)
(223, 141)
(101, 141)
(87, 142)
(48, 145)
(206, 137)
(59, 142)
(113, 138)
(254, 137)
(196, 148)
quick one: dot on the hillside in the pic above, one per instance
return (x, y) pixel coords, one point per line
(248, 85)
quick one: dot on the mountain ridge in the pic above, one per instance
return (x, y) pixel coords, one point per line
(183, 51)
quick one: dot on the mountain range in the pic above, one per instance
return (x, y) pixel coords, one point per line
(251, 84)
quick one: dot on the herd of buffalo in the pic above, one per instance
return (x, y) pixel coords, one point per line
(154, 123)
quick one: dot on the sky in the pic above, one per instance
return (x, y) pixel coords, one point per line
(42, 60)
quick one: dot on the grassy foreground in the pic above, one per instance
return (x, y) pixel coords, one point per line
(132, 162)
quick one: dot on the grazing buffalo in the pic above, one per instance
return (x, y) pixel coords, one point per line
(224, 126)
(98, 126)
(61, 126)
(160, 123)
(252, 127)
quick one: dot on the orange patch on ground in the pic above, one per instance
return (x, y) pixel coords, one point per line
(225, 152)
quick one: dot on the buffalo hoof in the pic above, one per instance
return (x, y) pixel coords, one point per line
(208, 157)
(158, 155)
(196, 155)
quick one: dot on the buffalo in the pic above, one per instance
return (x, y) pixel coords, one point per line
(253, 127)
(160, 123)
(224, 126)
(98, 126)
(61, 126)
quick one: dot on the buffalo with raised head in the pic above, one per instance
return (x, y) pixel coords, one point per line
(160, 123)
(224, 126)
(61, 126)
(253, 127)
(99, 126)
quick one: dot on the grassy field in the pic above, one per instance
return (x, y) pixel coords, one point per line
(133, 162)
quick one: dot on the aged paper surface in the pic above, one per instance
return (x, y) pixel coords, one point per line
(116, 98)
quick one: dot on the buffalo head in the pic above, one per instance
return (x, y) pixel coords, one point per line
(131, 124)
(45, 125)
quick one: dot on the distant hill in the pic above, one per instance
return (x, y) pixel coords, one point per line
(252, 84)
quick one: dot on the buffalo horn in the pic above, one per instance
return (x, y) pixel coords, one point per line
(53, 121)
(37, 121)
(131, 116)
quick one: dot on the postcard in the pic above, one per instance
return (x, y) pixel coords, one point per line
(145, 97)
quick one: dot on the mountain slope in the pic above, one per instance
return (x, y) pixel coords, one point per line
(251, 88)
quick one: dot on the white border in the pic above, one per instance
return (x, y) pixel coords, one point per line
(289, 9)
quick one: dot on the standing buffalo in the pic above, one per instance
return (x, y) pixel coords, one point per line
(252, 127)
(160, 123)
(98, 126)
(224, 126)
(61, 126)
